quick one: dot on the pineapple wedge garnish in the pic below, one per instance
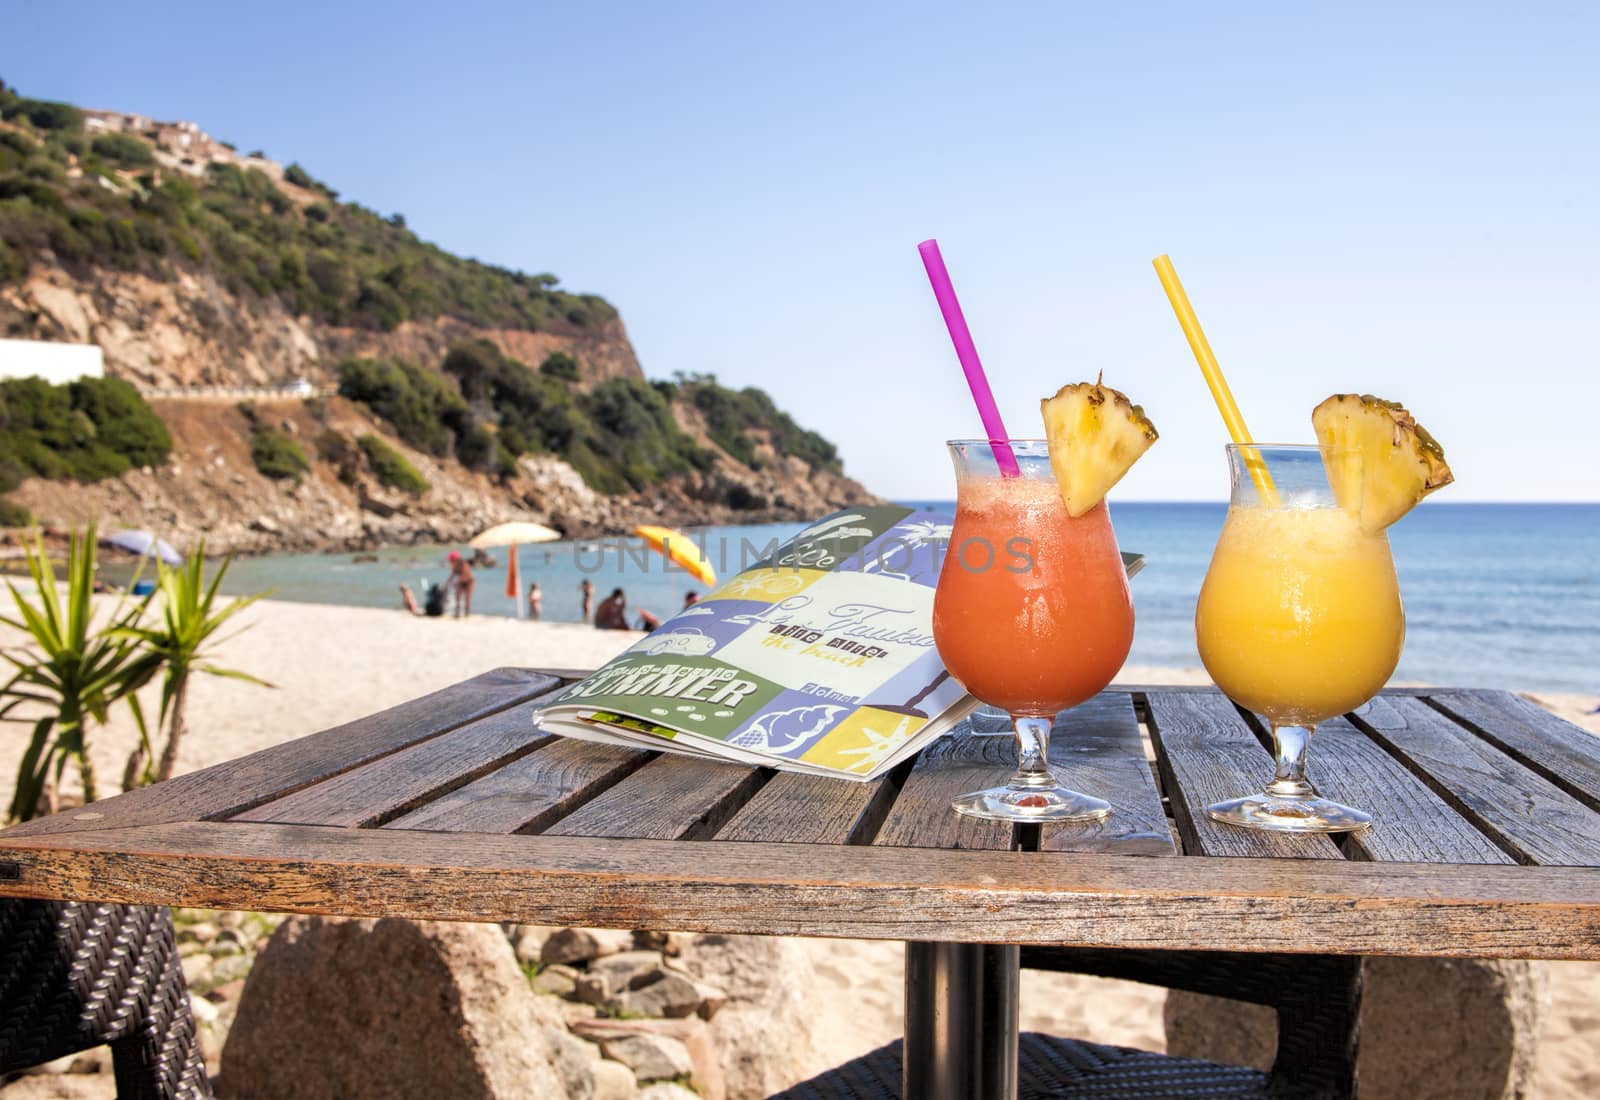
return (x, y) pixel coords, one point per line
(1096, 435)
(1380, 461)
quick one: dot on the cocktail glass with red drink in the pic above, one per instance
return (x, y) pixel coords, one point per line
(1032, 614)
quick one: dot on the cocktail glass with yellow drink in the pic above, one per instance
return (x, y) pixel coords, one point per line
(1299, 619)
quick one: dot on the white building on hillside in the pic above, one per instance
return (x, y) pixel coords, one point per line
(54, 363)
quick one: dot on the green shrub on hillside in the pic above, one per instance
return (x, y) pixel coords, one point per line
(277, 456)
(336, 450)
(87, 430)
(619, 436)
(390, 467)
(13, 514)
(531, 412)
(123, 147)
(638, 434)
(44, 114)
(560, 365)
(425, 411)
(338, 262)
(731, 415)
(125, 423)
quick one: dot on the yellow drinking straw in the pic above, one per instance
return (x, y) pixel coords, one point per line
(1231, 416)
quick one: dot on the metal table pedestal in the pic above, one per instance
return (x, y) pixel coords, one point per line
(961, 1021)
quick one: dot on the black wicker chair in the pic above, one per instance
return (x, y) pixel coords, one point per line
(1317, 998)
(77, 975)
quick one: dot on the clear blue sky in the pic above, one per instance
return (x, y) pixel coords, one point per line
(1397, 198)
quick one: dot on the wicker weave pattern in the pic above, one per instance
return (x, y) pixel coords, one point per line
(1317, 998)
(1056, 1069)
(77, 975)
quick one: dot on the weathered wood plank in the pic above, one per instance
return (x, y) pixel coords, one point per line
(375, 792)
(1134, 687)
(959, 762)
(1096, 748)
(809, 809)
(1207, 753)
(1563, 753)
(1088, 899)
(669, 798)
(1526, 813)
(238, 785)
(1411, 823)
(529, 793)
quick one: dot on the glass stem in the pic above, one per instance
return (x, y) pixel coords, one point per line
(1033, 754)
(1289, 749)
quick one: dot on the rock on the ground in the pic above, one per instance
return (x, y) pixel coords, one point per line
(557, 981)
(663, 993)
(338, 1009)
(666, 1090)
(705, 1073)
(607, 977)
(575, 1062)
(614, 1081)
(196, 969)
(528, 939)
(650, 1057)
(230, 968)
(668, 943)
(764, 1032)
(570, 945)
(1431, 1029)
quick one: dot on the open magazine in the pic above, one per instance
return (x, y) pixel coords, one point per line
(818, 658)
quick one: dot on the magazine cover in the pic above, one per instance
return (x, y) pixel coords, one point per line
(818, 658)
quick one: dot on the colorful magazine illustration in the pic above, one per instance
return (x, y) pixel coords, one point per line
(818, 658)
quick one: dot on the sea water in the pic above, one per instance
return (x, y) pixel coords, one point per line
(1496, 595)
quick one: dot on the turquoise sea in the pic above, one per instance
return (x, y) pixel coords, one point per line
(1496, 595)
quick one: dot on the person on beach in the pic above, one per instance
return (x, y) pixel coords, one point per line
(535, 601)
(461, 582)
(408, 600)
(647, 621)
(586, 591)
(612, 614)
(690, 598)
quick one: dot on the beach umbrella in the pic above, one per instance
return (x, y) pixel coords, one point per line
(144, 543)
(510, 534)
(677, 547)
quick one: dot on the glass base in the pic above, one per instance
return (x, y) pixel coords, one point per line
(1031, 804)
(1290, 815)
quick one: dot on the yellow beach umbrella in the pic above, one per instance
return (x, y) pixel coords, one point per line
(679, 549)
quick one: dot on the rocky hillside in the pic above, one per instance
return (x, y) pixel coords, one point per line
(189, 329)
(210, 486)
(194, 266)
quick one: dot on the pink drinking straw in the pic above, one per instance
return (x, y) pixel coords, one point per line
(968, 354)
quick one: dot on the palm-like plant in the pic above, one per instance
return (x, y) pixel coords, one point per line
(180, 643)
(80, 673)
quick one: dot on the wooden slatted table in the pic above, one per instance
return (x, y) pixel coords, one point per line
(454, 807)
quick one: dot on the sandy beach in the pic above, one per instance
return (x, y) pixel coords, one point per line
(334, 664)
